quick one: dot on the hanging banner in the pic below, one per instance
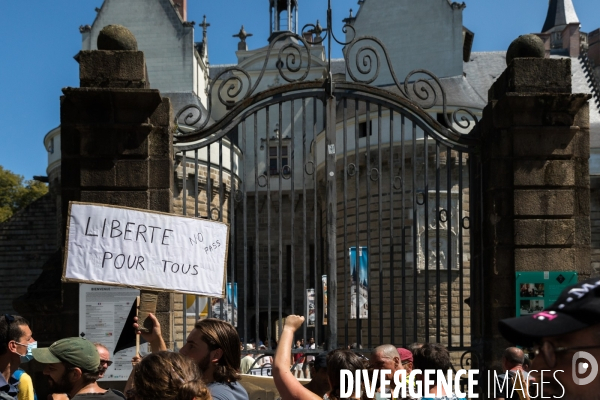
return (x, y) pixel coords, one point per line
(324, 282)
(310, 308)
(233, 303)
(145, 249)
(360, 282)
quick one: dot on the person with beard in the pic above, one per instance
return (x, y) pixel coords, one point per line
(215, 346)
(565, 337)
(72, 366)
(15, 342)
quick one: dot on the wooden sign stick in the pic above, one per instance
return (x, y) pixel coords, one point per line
(137, 337)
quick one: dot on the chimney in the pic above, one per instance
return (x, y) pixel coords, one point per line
(181, 6)
(308, 36)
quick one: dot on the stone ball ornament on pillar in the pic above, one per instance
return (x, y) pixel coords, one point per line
(525, 46)
(116, 37)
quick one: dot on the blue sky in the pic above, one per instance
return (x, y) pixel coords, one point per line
(40, 38)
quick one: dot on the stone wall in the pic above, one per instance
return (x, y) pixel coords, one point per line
(536, 186)
(27, 240)
(116, 149)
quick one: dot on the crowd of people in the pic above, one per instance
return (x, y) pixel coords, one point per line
(562, 340)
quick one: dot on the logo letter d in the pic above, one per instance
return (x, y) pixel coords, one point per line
(592, 363)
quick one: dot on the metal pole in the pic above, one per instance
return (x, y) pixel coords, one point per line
(330, 168)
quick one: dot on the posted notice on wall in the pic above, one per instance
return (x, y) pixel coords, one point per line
(537, 290)
(103, 311)
(145, 250)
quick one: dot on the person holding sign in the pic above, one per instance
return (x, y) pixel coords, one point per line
(215, 346)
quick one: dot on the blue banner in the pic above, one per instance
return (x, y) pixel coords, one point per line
(359, 271)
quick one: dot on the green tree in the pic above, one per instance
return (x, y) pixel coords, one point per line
(16, 193)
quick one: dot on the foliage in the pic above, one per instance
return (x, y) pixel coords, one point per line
(15, 193)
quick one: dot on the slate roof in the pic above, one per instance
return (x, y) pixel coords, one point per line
(560, 14)
(483, 69)
(460, 92)
(338, 66)
(215, 70)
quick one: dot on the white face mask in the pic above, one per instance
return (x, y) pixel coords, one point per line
(29, 355)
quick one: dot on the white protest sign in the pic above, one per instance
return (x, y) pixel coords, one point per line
(145, 249)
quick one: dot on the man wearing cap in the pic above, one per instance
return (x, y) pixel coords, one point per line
(566, 342)
(247, 361)
(406, 357)
(72, 366)
(319, 383)
(15, 342)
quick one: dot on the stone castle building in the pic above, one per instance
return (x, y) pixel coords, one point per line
(179, 67)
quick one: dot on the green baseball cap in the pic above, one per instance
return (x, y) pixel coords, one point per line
(76, 351)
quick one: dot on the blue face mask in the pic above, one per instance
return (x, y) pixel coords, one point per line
(29, 356)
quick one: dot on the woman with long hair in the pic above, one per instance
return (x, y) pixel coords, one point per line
(168, 376)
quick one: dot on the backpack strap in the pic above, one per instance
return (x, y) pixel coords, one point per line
(18, 373)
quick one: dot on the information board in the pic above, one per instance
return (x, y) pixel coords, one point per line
(145, 250)
(103, 311)
(538, 290)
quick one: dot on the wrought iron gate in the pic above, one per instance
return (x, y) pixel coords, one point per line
(348, 203)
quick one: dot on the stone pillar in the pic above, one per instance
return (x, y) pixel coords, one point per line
(535, 185)
(116, 143)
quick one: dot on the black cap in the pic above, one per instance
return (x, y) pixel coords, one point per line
(320, 361)
(577, 307)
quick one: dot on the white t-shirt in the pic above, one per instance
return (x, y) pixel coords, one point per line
(312, 347)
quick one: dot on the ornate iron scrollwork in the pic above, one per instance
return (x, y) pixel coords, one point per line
(364, 57)
(312, 167)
